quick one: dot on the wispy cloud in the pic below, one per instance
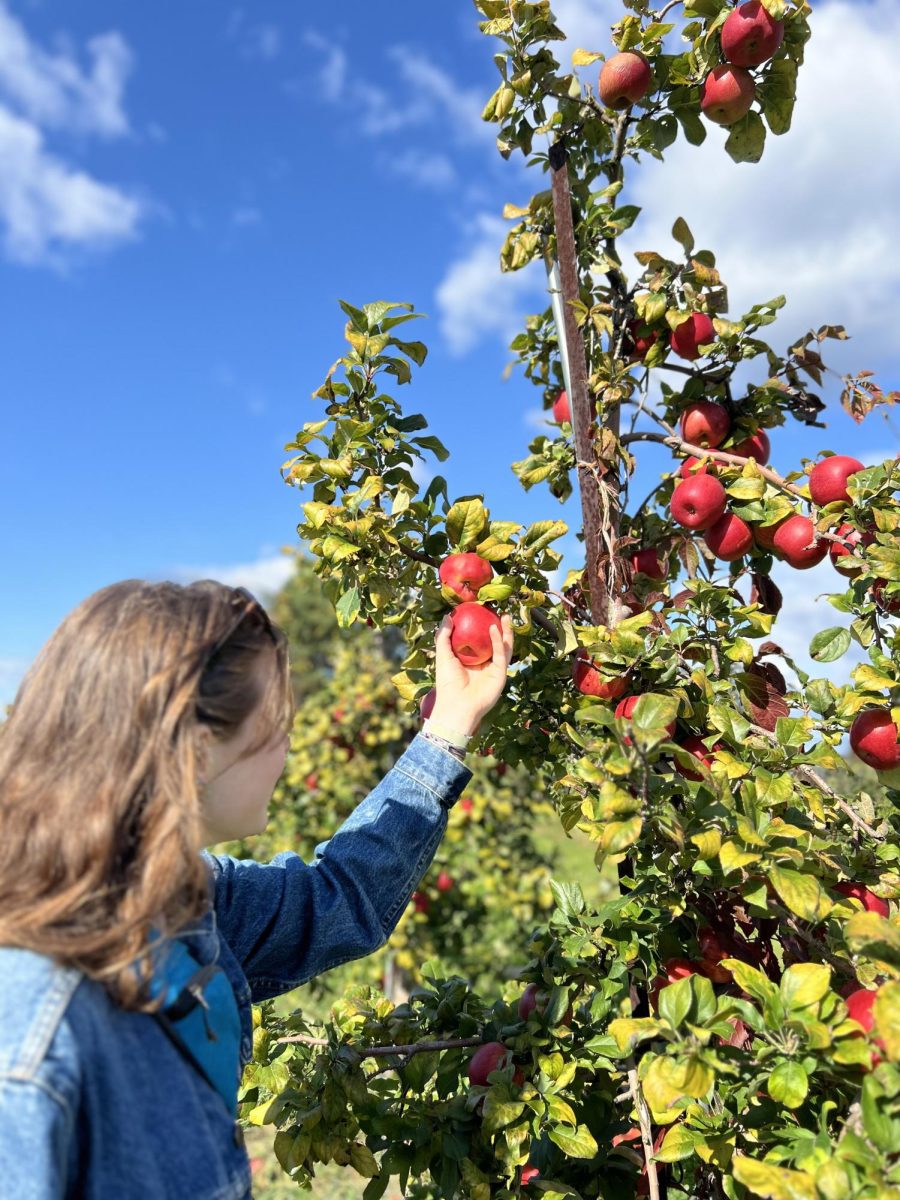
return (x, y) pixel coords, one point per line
(246, 214)
(261, 40)
(49, 207)
(425, 169)
(264, 576)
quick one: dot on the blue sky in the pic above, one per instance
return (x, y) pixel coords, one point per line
(186, 191)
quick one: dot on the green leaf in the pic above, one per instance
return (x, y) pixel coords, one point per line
(362, 1160)
(679, 1143)
(538, 536)
(747, 139)
(830, 644)
(682, 234)
(435, 445)
(887, 1018)
(465, 523)
(675, 1001)
(499, 1109)
(417, 351)
(575, 1143)
(347, 608)
(568, 896)
(788, 1084)
(872, 935)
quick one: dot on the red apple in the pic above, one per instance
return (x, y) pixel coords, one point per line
(756, 446)
(528, 1173)
(470, 633)
(697, 466)
(730, 538)
(421, 902)
(535, 998)
(466, 804)
(727, 94)
(764, 535)
(828, 478)
(691, 334)
(444, 882)
(464, 574)
(426, 708)
(490, 1057)
(590, 682)
(624, 79)
(712, 952)
(561, 410)
(640, 338)
(647, 562)
(673, 970)
(859, 1008)
(750, 36)
(705, 424)
(625, 708)
(875, 739)
(797, 542)
(698, 502)
(890, 603)
(698, 748)
(869, 901)
(852, 538)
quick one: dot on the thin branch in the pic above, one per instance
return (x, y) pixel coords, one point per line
(418, 555)
(643, 1114)
(662, 12)
(807, 773)
(382, 1051)
(735, 460)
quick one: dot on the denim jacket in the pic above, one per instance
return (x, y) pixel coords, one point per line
(97, 1104)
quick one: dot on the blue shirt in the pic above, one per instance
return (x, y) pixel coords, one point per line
(97, 1104)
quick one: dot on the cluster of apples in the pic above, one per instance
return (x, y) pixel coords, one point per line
(749, 38)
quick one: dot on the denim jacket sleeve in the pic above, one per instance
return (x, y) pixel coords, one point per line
(38, 1134)
(288, 920)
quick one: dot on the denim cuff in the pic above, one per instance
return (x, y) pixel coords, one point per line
(435, 769)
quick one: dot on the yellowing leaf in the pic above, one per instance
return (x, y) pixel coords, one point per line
(802, 893)
(804, 984)
(887, 1018)
(619, 835)
(584, 58)
(628, 1031)
(708, 843)
(732, 857)
(773, 1183)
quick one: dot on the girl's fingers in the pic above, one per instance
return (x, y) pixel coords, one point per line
(506, 623)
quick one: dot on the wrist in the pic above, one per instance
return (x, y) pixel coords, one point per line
(461, 723)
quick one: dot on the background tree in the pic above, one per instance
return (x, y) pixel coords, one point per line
(728, 1024)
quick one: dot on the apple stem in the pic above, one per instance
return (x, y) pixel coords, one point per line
(807, 773)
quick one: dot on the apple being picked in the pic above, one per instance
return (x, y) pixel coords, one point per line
(869, 901)
(624, 79)
(729, 538)
(470, 633)
(705, 424)
(727, 94)
(590, 682)
(828, 478)
(798, 544)
(875, 739)
(464, 574)
(561, 409)
(750, 36)
(698, 502)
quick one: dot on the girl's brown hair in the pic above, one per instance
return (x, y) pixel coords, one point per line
(100, 813)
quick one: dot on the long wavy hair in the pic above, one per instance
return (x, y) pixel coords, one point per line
(100, 809)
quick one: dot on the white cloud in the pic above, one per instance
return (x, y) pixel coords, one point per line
(263, 577)
(332, 76)
(48, 206)
(52, 90)
(817, 218)
(475, 299)
(424, 168)
(261, 41)
(459, 107)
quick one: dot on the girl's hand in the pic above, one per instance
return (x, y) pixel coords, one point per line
(465, 694)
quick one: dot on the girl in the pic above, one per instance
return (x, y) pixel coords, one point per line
(155, 722)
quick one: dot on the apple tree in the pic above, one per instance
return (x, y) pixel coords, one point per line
(728, 1024)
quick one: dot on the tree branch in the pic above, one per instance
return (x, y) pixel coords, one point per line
(643, 1114)
(677, 443)
(809, 775)
(383, 1051)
